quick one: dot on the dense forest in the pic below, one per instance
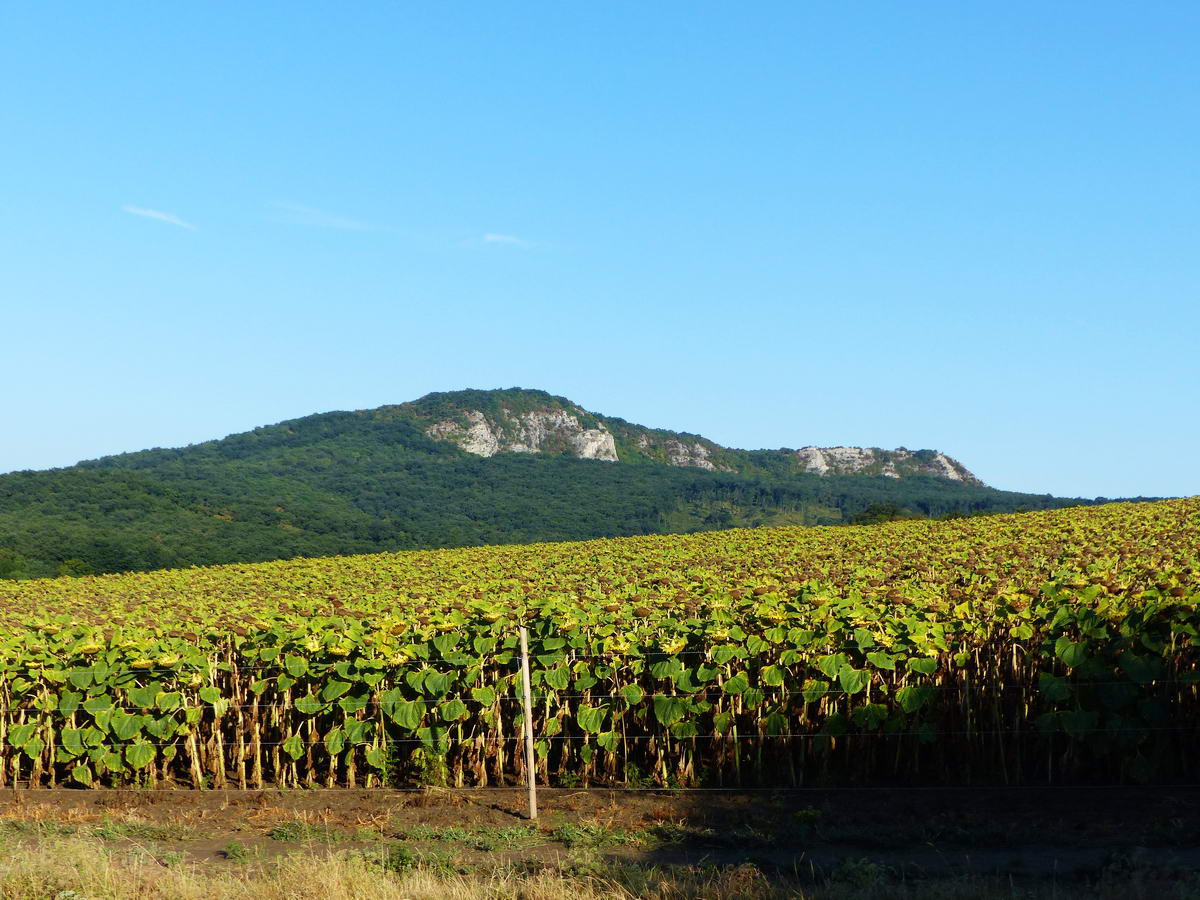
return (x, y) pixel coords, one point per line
(353, 482)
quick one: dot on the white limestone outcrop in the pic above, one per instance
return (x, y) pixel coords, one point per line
(694, 455)
(544, 431)
(849, 460)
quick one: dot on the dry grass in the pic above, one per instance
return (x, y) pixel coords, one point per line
(81, 867)
(76, 868)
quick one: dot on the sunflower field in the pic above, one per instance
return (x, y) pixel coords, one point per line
(1042, 647)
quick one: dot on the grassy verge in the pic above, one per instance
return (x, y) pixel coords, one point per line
(84, 867)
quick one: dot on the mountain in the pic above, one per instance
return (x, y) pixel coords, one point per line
(522, 421)
(449, 469)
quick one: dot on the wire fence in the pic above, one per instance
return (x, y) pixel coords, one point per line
(810, 694)
(211, 748)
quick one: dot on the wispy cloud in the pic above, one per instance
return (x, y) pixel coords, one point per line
(295, 214)
(159, 215)
(506, 240)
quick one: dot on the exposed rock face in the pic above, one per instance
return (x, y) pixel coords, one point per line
(694, 455)
(892, 463)
(952, 469)
(547, 431)
(540, 431)
(517, 420)
(477, 437)
(832, 459)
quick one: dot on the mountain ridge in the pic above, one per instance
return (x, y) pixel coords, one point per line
(397, 477)
(524, 420)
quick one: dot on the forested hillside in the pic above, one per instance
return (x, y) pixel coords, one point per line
(356, 482)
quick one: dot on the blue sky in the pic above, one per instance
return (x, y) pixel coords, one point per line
(971, 227)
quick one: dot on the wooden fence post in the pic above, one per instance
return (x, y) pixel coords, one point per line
(530, 758)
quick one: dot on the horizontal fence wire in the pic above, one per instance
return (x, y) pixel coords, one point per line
(508, 657)
(318, 790)
(549, 660)
(474, 741)
(700, 694)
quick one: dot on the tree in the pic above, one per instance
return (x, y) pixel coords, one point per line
(74, 567)
(12, 564)
(883, 512)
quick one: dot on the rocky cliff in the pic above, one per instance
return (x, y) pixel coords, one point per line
(522, 421)
(545, 431)
(891, 463)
